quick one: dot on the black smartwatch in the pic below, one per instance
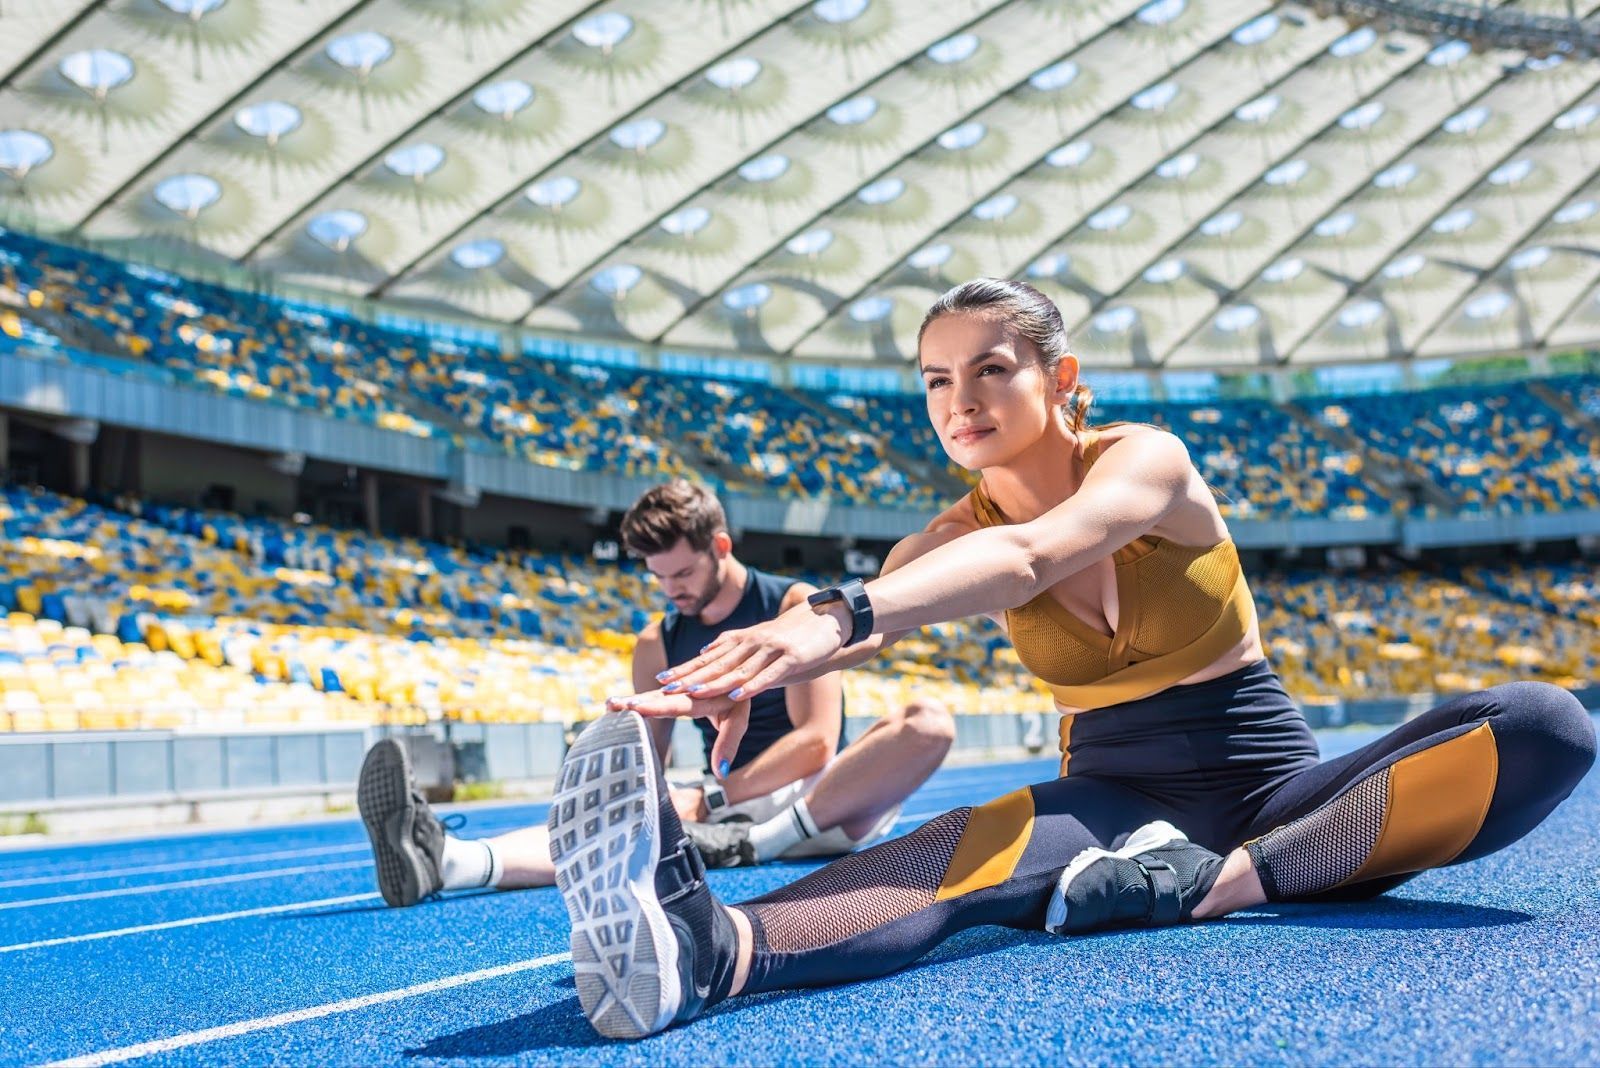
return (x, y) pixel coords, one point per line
(715, 796)
(854, 595)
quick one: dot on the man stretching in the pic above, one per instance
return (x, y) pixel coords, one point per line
(791, 790)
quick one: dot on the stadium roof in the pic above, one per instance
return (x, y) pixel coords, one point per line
(1205, 183)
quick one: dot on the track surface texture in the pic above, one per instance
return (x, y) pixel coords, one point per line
(271, 946)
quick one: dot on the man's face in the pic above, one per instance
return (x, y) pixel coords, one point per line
(691, 579)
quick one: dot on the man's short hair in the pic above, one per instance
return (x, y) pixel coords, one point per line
(676, 511)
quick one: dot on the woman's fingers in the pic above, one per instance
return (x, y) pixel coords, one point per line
(765, 679)
(730, 732)
(731, 680)
(724, 673)
(711, 652)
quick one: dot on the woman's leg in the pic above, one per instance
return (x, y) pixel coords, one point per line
(876, 911)
(1458, 782)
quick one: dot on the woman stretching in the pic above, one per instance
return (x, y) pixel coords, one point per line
(1105, 556)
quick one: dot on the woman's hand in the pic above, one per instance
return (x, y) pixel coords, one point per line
(743, 663)
(729, 716)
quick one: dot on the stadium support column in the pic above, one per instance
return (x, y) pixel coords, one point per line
(425, 512)
(369, 501)
(80, 435)
(5, 445)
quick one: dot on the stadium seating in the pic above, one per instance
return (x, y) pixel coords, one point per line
(1498, 449)
(1413, 632)
(156, 615)
(55, 677)
(1493, 449)
(1262, 463)
(755, 437)
(353, 626)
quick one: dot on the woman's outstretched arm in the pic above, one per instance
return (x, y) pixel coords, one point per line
(1128, 492)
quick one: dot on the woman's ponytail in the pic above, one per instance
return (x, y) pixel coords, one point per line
(1077, 409)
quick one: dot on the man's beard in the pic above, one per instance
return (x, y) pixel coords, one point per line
(713, 589)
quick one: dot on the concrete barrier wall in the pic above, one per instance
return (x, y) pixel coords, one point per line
(81, 769)
(78, 770)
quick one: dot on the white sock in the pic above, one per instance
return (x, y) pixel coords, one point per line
(469, 863)
(774, 837)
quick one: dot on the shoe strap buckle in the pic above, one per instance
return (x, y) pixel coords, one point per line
(1166, 903)
(680, 872)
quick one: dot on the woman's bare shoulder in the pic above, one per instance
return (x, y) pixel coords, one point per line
(959, 518)
(1114, 432)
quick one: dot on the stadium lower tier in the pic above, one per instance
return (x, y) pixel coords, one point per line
(153, 616)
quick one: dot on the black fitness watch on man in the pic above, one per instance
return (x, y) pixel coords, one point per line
(854, 595)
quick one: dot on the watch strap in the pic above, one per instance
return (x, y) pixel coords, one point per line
(853, 593)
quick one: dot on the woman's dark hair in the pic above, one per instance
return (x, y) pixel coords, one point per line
(1028, 311)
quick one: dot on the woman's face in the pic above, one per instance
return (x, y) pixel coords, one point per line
(989, 396)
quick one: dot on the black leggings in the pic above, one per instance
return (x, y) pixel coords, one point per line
(1229, 762)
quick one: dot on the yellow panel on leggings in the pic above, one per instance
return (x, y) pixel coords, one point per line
(990, 846)
(1438, 799)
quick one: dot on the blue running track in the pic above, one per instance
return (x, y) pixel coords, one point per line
(270, 946)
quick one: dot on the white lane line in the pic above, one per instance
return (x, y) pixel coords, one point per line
(283, 1019)
(186, 884)
(193, 921)
(189, 865)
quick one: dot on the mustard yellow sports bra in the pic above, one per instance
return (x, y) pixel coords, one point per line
(1180, 608)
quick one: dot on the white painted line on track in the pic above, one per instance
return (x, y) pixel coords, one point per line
(191, 865)
(194, 921)
(283, 1019)
(186, 884)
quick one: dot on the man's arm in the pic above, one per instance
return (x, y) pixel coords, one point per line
(650, 659)
(816, 708)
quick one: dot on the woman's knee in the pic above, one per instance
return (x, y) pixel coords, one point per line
(1544, 729)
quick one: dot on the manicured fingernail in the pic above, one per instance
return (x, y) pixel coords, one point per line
(663, 676)
(736, 694)
(672, 687)
(722, 770)
(696, 688)
(704, 647)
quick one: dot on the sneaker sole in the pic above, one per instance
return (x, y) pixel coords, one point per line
(605, 842)
(383, 795)
(1150, 836)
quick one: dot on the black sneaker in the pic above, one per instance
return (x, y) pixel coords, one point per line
(407, 838)
(1156, 879)
(650, 945)
(723, 845)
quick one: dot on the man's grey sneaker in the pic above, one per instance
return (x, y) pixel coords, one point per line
(723, 845)
(1156, 879)
(650, 945)
(407, 838)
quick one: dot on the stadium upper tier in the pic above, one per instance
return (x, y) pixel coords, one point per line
(147, 615)
(1504, 448)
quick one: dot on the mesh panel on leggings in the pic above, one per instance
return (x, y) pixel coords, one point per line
(1322, 849)
(861, 891)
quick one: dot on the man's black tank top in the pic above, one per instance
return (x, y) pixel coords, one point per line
(685, 636)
